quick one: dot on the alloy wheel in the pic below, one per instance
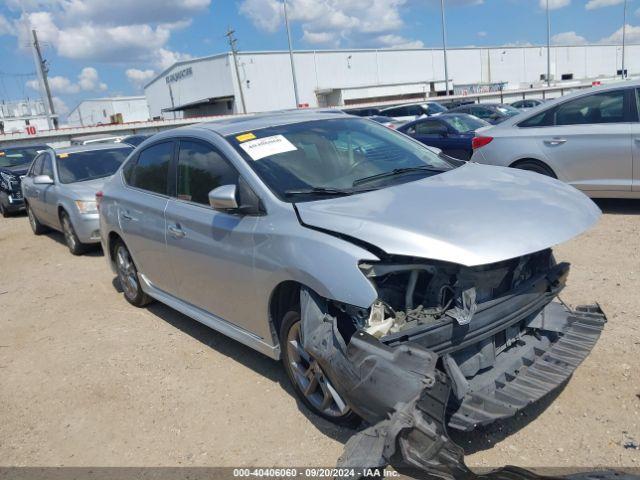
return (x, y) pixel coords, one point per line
(32, 219)
(69, 235)
(311, 380)
(127, 273)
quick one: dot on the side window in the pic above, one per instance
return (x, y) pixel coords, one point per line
(606, 107)
(481, 112)
(637, 104)
(415, 110)
(544, 119)
(152, 168)
(127, 170)
(201, 169)
(47, 165)
(36, 167)
(429, 128)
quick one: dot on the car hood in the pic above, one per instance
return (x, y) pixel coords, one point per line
(472, 215)
(85, 190)
(15, 170)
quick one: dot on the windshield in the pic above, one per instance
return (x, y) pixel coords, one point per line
(11, 157)
(508, 110)
(333, 155)
(465, 123)
(89, 165)
(435, 108)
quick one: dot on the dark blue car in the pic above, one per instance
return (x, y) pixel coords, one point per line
(450, 132)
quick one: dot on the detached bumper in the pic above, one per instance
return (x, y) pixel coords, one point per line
(538, 370)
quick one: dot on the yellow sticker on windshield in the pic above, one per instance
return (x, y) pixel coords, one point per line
(63, 155)
(245, 136)
(1, 154)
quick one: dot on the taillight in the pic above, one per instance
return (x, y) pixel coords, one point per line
(99, 196)
(478, 142)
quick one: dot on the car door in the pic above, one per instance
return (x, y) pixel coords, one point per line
(141, 213)
(48, 194)
(588, 143)
(28, 187)
(635, 145)
(211, 251)
(432, 132)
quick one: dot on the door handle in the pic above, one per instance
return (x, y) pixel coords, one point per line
(125, 216)
(555, 141)
(176, 231)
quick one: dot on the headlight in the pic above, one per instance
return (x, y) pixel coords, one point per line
(87, 206)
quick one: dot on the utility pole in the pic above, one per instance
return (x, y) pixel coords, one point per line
(624, 34)
(234, 53)
(444, 47)
(548, 46)
(43, 70)
(293, 68)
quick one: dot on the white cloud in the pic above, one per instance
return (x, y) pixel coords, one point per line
(5, 26)
(60, 107)
(482, 34)
(632, 36)
(554, 4)
(397, 41)
(117, 31)
(88, 81)
(568, 38)
(139, 77)
(594, 4)
(335, 22)
(165, 58)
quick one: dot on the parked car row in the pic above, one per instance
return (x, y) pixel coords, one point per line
(381, 271)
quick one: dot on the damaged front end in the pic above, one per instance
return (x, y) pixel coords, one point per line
(446, 346)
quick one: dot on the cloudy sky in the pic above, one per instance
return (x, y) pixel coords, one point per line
(113, 47)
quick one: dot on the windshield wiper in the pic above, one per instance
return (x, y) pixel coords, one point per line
(319, 191)
(393, 173)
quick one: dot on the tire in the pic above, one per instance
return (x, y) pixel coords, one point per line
(128, 276)
(296, 361)
(36, 226)
(3, 210)
(76, 247)
(535, 166)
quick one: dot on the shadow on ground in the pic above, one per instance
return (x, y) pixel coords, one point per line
(619, 206)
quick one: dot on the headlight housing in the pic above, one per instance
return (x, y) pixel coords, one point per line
(87, 207)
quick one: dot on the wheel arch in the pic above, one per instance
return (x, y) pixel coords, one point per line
(285, 295)
(542, 163)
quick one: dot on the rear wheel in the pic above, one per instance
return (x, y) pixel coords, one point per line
(309, 381)
(535, 166)
(128, 277)
(3, 210)
(76, 247)
(36, 226)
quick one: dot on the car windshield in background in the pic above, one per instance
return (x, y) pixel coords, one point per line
(11, 157)
(465, 123)
(508, 110)
(90, 164)
(436, 108)
(305, 160)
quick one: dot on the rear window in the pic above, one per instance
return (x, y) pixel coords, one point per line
(465, 123)
(11, 157)
(89, 165)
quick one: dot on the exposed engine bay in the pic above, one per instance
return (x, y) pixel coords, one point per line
(446, 346)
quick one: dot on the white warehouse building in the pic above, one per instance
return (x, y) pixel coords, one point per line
(210, 85)
(104, 111)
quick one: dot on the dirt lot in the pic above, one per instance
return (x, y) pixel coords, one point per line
(87, 380)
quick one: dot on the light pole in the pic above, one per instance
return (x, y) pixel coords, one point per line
(444, 46)
(293, 67)
(548, 46)
(624, 34)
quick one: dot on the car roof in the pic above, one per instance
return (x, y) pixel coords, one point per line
(91, 147)
(247, 123)
(409, 105)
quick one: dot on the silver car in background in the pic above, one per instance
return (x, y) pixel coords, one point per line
(60, 186)
(376, 269)
(589, 139)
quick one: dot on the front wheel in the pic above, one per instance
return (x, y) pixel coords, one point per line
(309, 381)
(128, 277)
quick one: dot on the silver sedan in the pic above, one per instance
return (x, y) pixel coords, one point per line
(60, 189)
(590, 139)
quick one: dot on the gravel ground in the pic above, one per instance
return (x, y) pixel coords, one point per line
(87, 380)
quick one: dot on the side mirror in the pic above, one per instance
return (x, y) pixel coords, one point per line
(224, 198)
(43, 180)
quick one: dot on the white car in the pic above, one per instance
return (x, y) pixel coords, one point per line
(413, 111)
(589, 139)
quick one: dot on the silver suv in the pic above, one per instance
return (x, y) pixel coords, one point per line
(373, 267)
